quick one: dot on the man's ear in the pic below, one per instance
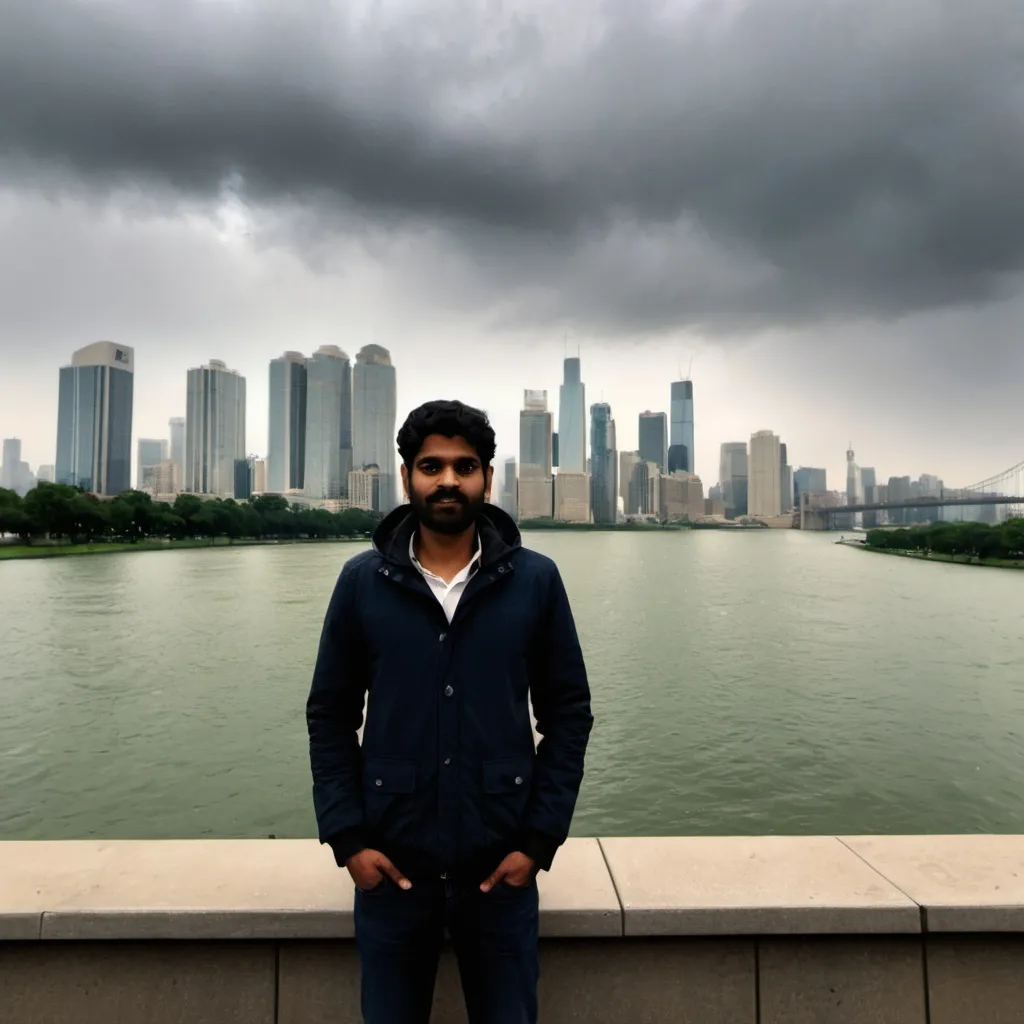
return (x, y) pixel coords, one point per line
(489, 476)
(405, 480)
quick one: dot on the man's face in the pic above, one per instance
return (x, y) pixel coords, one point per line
(447, 485)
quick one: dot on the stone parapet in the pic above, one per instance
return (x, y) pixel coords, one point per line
(751, 930)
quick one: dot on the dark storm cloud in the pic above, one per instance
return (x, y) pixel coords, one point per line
(722, 165)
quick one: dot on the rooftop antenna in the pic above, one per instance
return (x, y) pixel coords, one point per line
(689, 368)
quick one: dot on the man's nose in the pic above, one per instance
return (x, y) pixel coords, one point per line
(448, 477)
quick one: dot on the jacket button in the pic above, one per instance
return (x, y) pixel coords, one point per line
(447, 760)
(519, 780)
(379, 782)
(448, 691)
(442, 637)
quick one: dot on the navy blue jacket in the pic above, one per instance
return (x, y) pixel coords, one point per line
(447, 780)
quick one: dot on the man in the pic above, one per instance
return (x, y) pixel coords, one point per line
(446, 814)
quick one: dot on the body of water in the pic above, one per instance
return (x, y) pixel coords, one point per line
(756, 682)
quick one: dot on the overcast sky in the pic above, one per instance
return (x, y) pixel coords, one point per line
(818, 201)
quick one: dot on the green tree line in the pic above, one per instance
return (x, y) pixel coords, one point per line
(978, 540)
(60, 512)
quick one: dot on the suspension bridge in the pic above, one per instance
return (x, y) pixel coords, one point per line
(1003, 489)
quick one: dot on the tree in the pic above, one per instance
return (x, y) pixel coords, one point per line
(13, 517)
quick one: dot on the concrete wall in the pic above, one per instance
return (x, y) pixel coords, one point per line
(764, 930)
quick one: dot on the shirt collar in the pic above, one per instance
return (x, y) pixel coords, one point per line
(472, 565)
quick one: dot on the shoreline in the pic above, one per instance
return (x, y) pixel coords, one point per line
(18, 552)
(932, 556)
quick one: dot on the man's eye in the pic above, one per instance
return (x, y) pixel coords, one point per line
(428, 467)
(466, 467)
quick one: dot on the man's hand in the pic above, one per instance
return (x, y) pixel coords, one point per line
(516, 870)
(368, 868)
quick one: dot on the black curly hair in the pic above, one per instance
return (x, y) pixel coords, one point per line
(449, 419)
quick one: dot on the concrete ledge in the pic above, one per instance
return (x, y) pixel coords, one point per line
(731, 886)
(968, 883)
(762, 885)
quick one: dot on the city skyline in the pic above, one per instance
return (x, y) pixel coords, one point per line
(504, 450)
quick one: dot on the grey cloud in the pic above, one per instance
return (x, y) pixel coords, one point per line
(728, 167)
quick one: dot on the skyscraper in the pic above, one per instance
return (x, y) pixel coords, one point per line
(572, 419)
(765, 492)
(680, 453)
(15, 475)
(627, 463)
(177, 428)
(151, 452)
(214, 429)
(94, 419)
(604, 465)
(374, 408)
(328, 423)
(785, 479)
(869, 485)
(808, 480)
(536, 494)
(733, 476)
(509, 489)
(653, 429)
(10, 466)
(286, 452)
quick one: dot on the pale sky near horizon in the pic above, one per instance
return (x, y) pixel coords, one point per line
(818, 204)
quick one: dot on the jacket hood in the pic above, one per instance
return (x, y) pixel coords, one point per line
(499, 535)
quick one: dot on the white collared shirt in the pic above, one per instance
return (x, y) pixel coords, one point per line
(448, 594)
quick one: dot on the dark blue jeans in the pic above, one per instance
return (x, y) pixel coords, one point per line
(494, 935)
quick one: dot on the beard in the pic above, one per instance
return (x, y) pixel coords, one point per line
(446, 517)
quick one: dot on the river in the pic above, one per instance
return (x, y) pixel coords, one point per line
(743, 683)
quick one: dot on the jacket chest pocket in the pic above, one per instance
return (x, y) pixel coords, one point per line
(385, 782)
(506, 786)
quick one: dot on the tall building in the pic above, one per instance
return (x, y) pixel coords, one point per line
(286, 449)
(10, 467)
(604, 465)
(682, 496)
(733, 477)
(572, 419)
(809, 480)
(785, 479)
(364, 488)
(15, 474)
(151, 451)
(645, 489)
(854, 493)
(509, 489)
(572, 497)
(328, 423)
(161, 480)
(176, 425)
(681, 451)
(627, 462)
(214, 429)
(765, 492)
(535, 457)
(259, 476)
(653, 428)
(46, 474)
(869, 485)
(374, 408)
(94, 419)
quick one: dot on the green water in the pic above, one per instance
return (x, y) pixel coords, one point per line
(759, 682)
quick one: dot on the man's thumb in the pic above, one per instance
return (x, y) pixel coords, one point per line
(496, 877)
(393, 873)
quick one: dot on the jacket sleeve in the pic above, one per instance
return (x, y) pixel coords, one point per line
(561, 705)
(334, 713)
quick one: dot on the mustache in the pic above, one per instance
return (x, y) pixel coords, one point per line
(441, 495)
